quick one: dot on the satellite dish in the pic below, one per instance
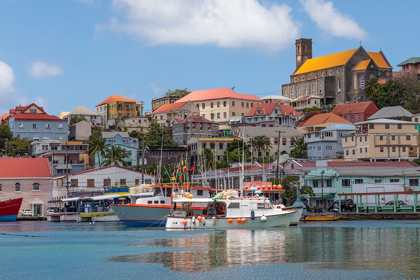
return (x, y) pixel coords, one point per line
(283, 158)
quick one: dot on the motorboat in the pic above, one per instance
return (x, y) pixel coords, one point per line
(9, 209)
(97, 208)
(228, 211)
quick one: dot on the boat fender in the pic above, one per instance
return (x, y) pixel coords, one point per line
(252, 215)
(193, 220)
(203, 220)
(263, 219)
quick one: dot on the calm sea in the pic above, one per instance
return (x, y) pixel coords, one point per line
(335, 250)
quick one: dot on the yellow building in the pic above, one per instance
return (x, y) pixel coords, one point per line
(382, 139)
(117, 107)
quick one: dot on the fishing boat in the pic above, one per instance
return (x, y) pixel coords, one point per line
(53, 211)
(9, 209)
(70, 212)
(152, 207)
(228, 211)
(97, 208)
(321, 218)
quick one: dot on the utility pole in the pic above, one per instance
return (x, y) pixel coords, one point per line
(142, 163)
(278, 152)
(67, 171)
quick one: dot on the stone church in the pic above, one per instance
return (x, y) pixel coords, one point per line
(333, 79)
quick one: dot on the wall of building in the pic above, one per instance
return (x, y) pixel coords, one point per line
(39, 130)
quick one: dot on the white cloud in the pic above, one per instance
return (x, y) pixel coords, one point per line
(41, 69)
(7, 79)
(331, 21)
(228, 24)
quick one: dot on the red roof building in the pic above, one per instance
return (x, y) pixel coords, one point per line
(321, 121)
(167, 113)
(271, 115)
(356, 112)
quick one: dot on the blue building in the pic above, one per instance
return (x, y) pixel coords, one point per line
(120, 138)
(327, 143)
(33, 123)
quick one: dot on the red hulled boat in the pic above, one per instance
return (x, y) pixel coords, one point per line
(9, 209)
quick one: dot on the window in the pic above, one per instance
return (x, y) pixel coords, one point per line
(233, 114)
(381, 149)
(393, 137)
(362, 82)
(200, 192)
(74, 182)
(345, 117)
(47, 125)
(378, 181)
(243, 104)
(224, 115)
(90, 183)
(361, 150)
(320, 87)
(329, 183)
(381, 137)
(414, 182)
(408, 137)
(365, 150)
(32, 111)
(20, 125)
(211, 104)
(394, 180)
(224, 103)
(233, 103)
(34, 125)
(306, 89)
(60, 125)
(123, 182)
(218, 115)
(298, 91)
(345, 182)
(351, 117)
(212, 116)
(319, 148)
(292, 92)
(1, 187)
(35, 186)
(359, 117)
(355, 82)
(358, 181)
(17, 187)
(203, 105)
(403, 149)
(393, 149)
(339, 85)
(365, 138)
(353, 152)
(315, 183)
(328, 148)
(218, 104)
(347, 152)
(399, 126)
(386, 126)
(313, 89)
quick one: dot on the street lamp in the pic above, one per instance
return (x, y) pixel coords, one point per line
(322, 189)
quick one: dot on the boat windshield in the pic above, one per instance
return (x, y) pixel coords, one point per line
(157, 192)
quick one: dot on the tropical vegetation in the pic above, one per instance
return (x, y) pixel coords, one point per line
(114, 155)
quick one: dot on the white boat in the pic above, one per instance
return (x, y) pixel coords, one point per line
(97, 208)
(53, 211)
(231, 213)
(70, 211)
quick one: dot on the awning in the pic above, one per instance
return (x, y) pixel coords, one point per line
(284, 139)
(62, 166)
(102, 197)
(204, 143)
(71, 199)
(212, 143)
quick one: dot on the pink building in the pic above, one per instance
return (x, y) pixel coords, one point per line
(29, 178)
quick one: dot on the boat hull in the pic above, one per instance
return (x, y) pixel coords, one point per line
(297, 216)
(134, 215)
(69, 217)
(99, 217)
(9, 209)
(322, 218)
(275, 220)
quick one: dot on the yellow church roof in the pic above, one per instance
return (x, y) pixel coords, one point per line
(362, 65)
(324, 62)
(379, 59)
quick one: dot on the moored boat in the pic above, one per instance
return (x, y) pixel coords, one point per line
(9, 209)
(321, 218)
(97, 208)
(70, 211)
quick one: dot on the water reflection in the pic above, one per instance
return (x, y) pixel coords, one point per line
(395, 249)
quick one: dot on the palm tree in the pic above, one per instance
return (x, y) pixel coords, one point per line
(371, 86)
(261, 143)
(114, 155)
(76, 119)
(299, 147)
(96, 145)
(207, 159)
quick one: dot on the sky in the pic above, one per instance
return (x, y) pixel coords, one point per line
(67, 53)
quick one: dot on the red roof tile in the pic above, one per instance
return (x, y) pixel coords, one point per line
(287, 110)
(197, 118)
(353, 108)
(169, 107)
(217, 93)
(324, 118)
(24, 168)
(265, 109)
(39, 117)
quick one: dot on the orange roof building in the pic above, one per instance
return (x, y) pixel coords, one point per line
(337, 78)
(166, 114)
(117, 107)
(321, 121)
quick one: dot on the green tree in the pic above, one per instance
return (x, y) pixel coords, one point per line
(178, 92)
(157, 135)
(299, 147)
(5, 136)
(114, 155)
(19, 147)
(372, 86)
(262, 145)
(289, 185)
(97, 145)
(76, 119)
(311, 109)
(207, 159)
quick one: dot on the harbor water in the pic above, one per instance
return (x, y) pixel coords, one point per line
(317, 250)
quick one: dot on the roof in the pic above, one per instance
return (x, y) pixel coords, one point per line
(111, 134)
(410, 61)
(390, 121)
(353, 108)
(169, 107)
(381, 81)
(24, 168)
(362, 65)
(383, 164)
(277, 97)
(324, 62)
(197, 118)
(115, 98)
(391, 112)
(264, 108)
(325, 118)
(82, 110)
(105, 167)
(379, 59)
(218, 93)
(3, 117)
(306, 97)
(339, 126)
(35, 116)
(287, 110)
(270, 132)
(63, 114)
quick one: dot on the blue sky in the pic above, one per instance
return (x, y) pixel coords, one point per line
(62, 54)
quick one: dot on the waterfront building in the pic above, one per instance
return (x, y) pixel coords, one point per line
(356, 112)
(335, 78)
(96, 181)
(193, 126)
(220, 104)
(382, 139)
(29, 178)
(167, 113)
(327, 143)
(81, 111)
(116, 108)
(33, 123)
(63, 157)
(271, 115)
(319, 122)
(392, 113)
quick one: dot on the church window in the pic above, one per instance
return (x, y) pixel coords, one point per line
(298, 91)
(355, 82)
(320, 87)
(313, 89)
(292, 92)
(285, 92)
(306, 89)
(339, 84)
(362, 82)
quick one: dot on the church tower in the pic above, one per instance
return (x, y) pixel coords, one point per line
(303, 51)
